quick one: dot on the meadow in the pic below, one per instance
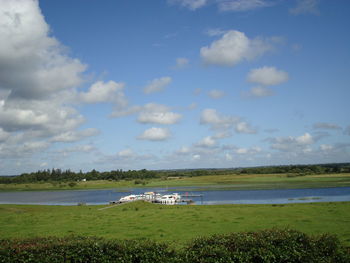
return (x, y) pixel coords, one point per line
(175, 225)
(230, 181)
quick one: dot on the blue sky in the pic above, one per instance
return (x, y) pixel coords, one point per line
(133, 84)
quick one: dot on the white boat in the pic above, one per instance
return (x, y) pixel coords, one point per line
(128, 198)
(152, 197)
(170, 199)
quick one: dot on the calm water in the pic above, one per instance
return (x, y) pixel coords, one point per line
(94, 197)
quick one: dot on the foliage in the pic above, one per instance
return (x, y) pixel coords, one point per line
(58, 175)
(263, 246)
(267, 246)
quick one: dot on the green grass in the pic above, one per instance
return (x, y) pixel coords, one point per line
(232, 181)
(174, 224)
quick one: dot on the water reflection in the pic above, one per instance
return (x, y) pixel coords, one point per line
(95, 197)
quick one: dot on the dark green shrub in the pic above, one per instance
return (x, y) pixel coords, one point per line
(263, 246)
(83, 250)
(267, 246)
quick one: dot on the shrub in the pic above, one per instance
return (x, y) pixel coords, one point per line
(263, 246)
(266, 246)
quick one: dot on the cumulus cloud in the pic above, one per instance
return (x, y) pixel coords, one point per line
(216, 94)
(157, 114)
(196, 157)
(267, 76)
(126, 153)
(117, 113)
(150, 113)
(157, 85)
(242, 5)
(326, 147)
(73, 136)
(33, 65)
(258, 92)
(244, 127)
(190, 4)
(38, 82)
(326, 126)
(155, 134)
(81, 148)
(110, 91)
(234, 47)
(347, 130)
(215, 32)
(305, 7)
(181, 63)
(207, 142)
(291, 143)
(183, 150)
(264, 77)
(223, 123)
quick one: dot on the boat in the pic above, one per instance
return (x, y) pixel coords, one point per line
(151, 197)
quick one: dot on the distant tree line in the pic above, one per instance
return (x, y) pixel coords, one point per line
(58, 175)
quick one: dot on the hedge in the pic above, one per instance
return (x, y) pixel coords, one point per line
(263, 246)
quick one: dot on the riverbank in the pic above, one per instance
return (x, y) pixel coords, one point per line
(174, 224)
(225, 182)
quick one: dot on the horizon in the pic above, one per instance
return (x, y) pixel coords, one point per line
(173, 85)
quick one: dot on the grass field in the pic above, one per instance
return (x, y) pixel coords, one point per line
(174, 224)
(232, 181)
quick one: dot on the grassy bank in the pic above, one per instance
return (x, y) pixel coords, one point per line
(232, 181)
(174, 224)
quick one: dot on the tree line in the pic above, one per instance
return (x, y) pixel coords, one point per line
(58, 175)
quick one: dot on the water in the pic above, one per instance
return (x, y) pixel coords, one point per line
(95, 197)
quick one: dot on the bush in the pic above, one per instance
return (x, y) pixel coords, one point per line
(83, 249)
(266, 246)
(263, 246)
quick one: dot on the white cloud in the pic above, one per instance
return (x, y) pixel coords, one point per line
(207, 142)
(155, 134)
(292, 144)
(216, 94)
(105, 92)
(267, 76)
(216, 120)
(304, 139)
(33, 64)
(3, 135)
(215, 32)
(347, 130)
(190, 4)
(157, 114)
(157, 85)
(183, 150)
(38, 81)
(81, 148)
(196, 157)
(326, 147)
(244, 127)
(181, 63)
(242, 151)
(228, 157)
(126, 153)
(242, 5)
(305, 7)
(224, 123)
(125, 112)
(73, 136)
(197, 91)
(259, 92)
(326, 126)
(234, 47)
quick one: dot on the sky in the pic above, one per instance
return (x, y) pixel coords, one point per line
(173, 84)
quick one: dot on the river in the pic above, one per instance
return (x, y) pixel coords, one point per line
(209, 197)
